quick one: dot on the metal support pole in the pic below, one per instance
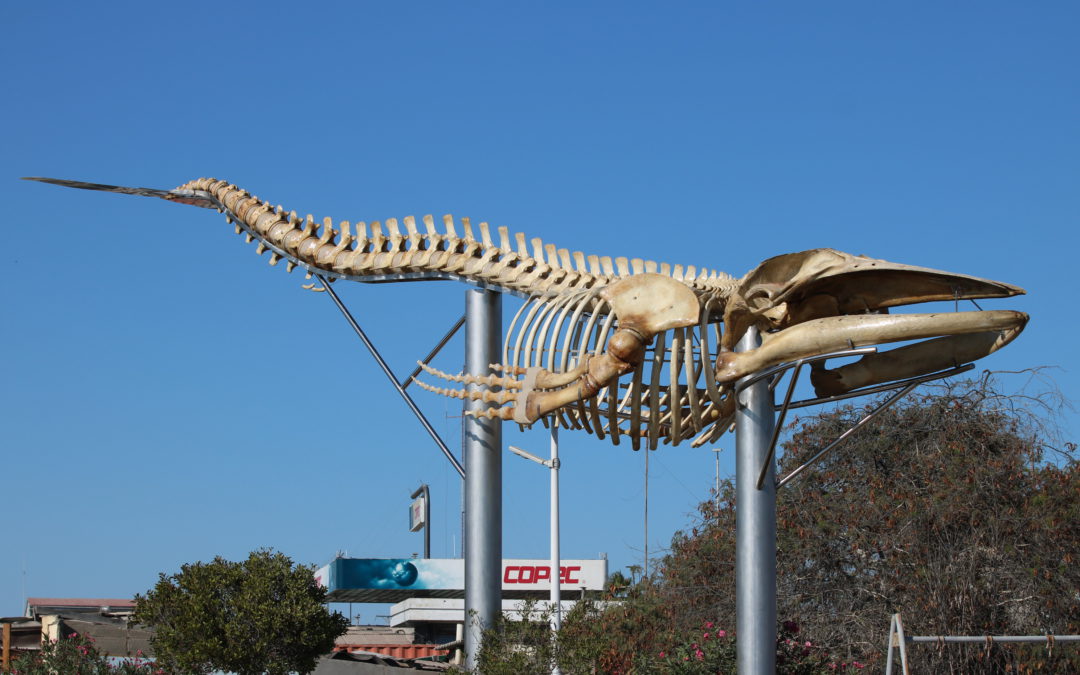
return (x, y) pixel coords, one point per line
(556, 557)
(755, 527)
(427, 522)
(482, 440)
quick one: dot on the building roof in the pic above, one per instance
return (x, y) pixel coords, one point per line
(396, 651)
(37, 606)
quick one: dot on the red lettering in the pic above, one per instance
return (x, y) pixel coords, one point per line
(564, 574)
(529, 574)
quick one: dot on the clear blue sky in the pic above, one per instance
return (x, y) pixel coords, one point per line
(167, 396)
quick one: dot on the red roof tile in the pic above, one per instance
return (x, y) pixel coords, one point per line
(395, 651)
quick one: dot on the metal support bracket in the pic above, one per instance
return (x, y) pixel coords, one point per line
(777, 372)
(427, 359)
(393, 379)
(905, 387)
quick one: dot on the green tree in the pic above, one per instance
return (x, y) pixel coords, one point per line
(262, 615)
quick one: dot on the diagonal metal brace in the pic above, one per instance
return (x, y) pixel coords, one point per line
(776, 372)
(427, 359)
(393, 379)
(905, 386)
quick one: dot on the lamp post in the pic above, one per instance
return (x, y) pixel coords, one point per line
(556, 560)
(716, 454)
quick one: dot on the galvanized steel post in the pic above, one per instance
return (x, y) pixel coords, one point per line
(482, 450)
(556, 556)
(755, 526)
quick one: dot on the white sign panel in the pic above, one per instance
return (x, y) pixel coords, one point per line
(535, 575)
(416, 515)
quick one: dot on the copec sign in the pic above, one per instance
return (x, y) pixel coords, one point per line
(397, 579)
(534, 574)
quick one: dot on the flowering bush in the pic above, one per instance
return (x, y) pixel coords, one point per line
(77, 655)
(632, 639)
(712, 650)
(802, 657)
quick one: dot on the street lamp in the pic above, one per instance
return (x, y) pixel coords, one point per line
(556, 562)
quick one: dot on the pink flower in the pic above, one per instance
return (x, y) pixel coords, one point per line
(663, 655)
(807, 644)
(721, 633)
(858, 665)
(709, 624)
(700, 655)
(705, 636)
(74, 635)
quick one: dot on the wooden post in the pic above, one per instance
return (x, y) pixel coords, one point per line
(7, 648)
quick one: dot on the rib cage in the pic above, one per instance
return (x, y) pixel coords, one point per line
(673, 395)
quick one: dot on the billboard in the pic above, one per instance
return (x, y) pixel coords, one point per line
(397, 579)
